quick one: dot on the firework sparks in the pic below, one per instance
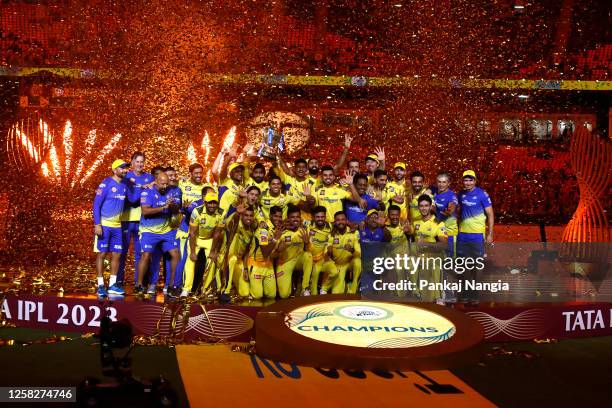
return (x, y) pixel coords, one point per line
(68, 145)
(191, 154)
(45, 170)
(229, 139)
(27, 143)
(54, 162)
(105, 151)
(206, 147)
(89, 143)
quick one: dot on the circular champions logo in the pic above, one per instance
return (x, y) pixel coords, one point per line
(370, 324)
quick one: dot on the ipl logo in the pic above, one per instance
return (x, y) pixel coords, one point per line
(363, 312)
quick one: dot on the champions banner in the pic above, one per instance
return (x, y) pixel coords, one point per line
(235, 323)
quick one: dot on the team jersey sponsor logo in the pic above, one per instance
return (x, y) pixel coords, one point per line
(336, 241)
(287, 239)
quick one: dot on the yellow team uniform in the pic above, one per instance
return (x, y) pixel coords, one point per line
(342, 261)
(262, 281)
(238, 248)
(268, 201)
(261, 186)
(394, 188)
(427, 232)
(190, 191)
(206, 224)
(331, 198)
(231, 191)
(317, 246)
(291, 258)
(296, 190)
(415, 214)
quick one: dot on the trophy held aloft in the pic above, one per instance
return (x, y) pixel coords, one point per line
(272, 140)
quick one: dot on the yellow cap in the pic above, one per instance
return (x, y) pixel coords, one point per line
(118, 163)
(469, 173)
(372, 211)
(211, 197)
(373, 157)
(234, 166)
(400, 165)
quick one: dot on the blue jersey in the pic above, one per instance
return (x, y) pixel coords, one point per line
(442, 200)
(367, 235)
(158, 223)
(472, 206)
(354, 213)
(135, 185)
(109, 202)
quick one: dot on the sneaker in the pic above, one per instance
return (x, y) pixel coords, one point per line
(138, 290)
(440, 302)
(184, 293)
(306, 292)
(101, 292)
(323, 292)
(165, 290)
(151, 289)
(224, 298)
(116, 289)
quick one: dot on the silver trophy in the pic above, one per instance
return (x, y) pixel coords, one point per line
(271, 138)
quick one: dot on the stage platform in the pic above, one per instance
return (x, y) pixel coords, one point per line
(181, 321)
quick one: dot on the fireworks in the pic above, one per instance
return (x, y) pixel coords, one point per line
(191, 154)
(105, 151)
(52, 168)
(206, 147)
(229, 139)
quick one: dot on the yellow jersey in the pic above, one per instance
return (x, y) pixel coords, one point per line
(190, 191)
(337, 242)
(242, 237)
(205, 222)
(229, 191)
(318, 241)
(415, 214)
(295, 245)
(261, 238)
(429, 230)
(331, 198)
(296, 189)
(394, 188)
(268, 201)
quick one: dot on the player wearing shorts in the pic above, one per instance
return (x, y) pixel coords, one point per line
(136, 179)
(371, 236)
(291, 252)
(175, 192)
(344, 253)
(108, 207)
(158, 207)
